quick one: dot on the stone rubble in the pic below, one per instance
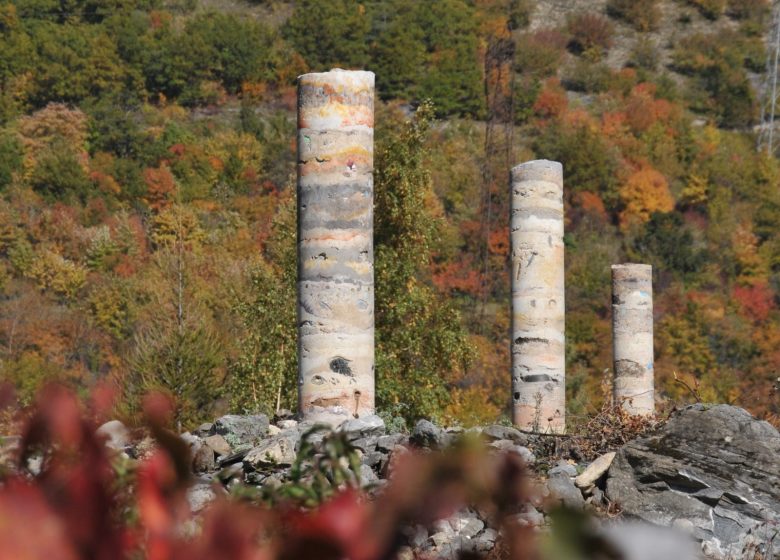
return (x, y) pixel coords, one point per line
(710, 475)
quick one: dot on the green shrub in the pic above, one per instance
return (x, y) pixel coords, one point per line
(644, 15)
(755, 10)
(644, 55)
(711, 9)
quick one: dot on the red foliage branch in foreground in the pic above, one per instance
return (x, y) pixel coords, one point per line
(75, 508)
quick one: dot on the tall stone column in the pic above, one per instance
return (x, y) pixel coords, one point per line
(538, 351)
(335, 245)
(632, 337)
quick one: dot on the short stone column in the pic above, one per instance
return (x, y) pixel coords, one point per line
(538, 325)
(335, 245)
(632, 337)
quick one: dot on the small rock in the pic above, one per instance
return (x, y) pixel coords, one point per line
(241, 429)
(203, 458)
(287, 424)
(370, 425)
(367, 475)
(529, 517)
(594, 471)
(200, 495)
(441, 539)
(116, 435)
(283, 414)
(204, 429)
(486, 540)
(510, 447)
(230, 472)
(373, 458)
(469, 528)
(218, 444)
(497, 432)
(428, 434)
(388, 442)
(563, 467)
(279, 450)
(274, 430)
(405, 553)
(563, 491)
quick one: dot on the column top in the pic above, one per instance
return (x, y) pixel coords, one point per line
(637, 269)
(538, 170)
(337, 75)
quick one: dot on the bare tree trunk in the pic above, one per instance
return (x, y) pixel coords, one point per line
(538, 334)
(632, 337)
(335, 245)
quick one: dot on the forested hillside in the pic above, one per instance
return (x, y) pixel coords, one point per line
(147, 183)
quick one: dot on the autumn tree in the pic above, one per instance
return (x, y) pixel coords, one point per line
(421, 343)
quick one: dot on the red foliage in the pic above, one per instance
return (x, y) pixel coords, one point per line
(755, 301)
(459, 276)
(552, 100)
(73, 510)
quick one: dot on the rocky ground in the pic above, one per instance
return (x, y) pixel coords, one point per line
(706, 483)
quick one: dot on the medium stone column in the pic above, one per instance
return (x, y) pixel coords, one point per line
(538, 352)
(335, 245)
(632, 337)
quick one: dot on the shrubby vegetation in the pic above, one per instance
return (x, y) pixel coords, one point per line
(147, 232)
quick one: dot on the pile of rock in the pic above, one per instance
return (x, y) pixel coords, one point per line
(711, 472)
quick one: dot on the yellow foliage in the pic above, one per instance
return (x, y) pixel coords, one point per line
(52, 271)
(471, 407)
(751, 268)
(695, 190)
(245, 147)
(54, 122)
(174, 224)
(645, 191)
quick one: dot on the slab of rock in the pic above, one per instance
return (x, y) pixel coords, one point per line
(371, 425)
(279, 450)
(497, 432)
(594, 471)
(715, 466)
(241, 429)
(116, 435)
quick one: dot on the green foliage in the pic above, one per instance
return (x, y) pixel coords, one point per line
(263, 376)
(590, 162)
(10, 158)
(716, 61)
(330, 33)
(59, 174)
(421, 342)
(669, 245)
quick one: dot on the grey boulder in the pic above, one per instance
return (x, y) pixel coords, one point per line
(715, 469)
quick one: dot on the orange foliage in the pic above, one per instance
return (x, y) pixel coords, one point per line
(645, 191)
(591, 203)
(160, 187)
(552, 101)
(458, 276)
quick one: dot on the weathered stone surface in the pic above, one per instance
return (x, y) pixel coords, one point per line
(563, 467)
(200, 495)
(428, 434)
(116, 434)
(241, 429)
(632, 337)
(387, 443)
(203, 458)
(640, 541)
(279, 450)
(335, 245)
(564, 492)
(715, 466)
(594, 471)
(218, 444)
(510, 447)
(538, 350)
(497, 432)
(369, 425)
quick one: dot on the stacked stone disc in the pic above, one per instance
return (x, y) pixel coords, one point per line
(632, 337)
(538, 353)
(335, 245)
